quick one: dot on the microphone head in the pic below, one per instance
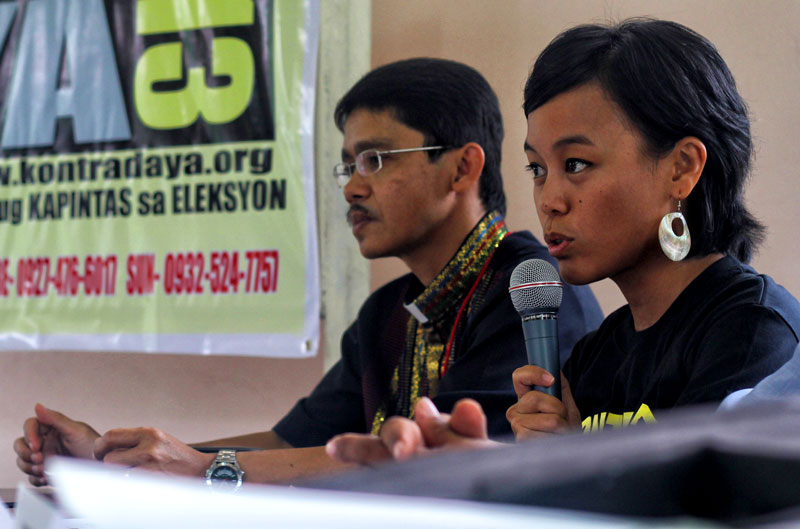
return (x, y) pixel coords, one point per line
(535, 288)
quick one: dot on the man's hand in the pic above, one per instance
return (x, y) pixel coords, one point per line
(51, 433)
(402, 438)
(151, 449)
(537, 414)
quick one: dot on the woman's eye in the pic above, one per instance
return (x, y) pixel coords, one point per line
(574, 165)
(536, 170)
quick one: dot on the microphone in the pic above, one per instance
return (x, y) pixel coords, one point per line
(535, 290)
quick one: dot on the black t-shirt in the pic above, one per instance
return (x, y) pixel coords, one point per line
(730, 328)
(490, 346)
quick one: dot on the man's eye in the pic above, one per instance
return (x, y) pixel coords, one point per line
(536, 170)
(372, 160)
(574, 165)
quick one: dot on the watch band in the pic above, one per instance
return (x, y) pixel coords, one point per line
(227, 457)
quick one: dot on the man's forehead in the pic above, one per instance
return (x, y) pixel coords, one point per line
(377, 129)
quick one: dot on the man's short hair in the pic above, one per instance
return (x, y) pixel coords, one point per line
(448, 102)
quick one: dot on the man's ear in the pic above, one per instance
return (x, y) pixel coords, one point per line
(688, 161)
(470, 160)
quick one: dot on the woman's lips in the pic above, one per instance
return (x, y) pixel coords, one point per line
(557, 244)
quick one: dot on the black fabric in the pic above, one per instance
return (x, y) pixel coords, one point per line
(738, 466)
(491, 347)
(730, 328)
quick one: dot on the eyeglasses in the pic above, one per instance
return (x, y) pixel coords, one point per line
(369, 162)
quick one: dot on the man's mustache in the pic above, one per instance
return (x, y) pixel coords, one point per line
(356, 208)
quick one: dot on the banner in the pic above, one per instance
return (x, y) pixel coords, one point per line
(156, 176)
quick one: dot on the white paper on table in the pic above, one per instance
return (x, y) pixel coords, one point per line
(6, 521)
(35, 511)
(105, 497)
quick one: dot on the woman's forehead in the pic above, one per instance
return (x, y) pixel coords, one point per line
(583, 115)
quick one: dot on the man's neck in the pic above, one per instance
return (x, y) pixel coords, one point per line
(427, 261)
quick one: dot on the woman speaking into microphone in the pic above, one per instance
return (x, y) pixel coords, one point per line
(639, 147)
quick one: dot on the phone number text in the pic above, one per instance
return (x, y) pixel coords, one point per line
(177, 273)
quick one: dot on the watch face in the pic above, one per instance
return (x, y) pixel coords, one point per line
(224, 478)
(224, 473)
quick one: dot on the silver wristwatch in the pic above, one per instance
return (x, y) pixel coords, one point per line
(225, 473)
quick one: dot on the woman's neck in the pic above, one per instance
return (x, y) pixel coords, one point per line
(652, 287)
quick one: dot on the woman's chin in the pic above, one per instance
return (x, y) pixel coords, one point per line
(574, 274)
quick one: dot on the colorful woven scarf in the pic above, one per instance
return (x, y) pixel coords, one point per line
(435, 313)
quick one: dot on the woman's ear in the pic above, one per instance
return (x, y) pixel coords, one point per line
(688, 161)
(469, 166)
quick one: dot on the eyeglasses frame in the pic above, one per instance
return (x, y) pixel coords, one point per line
(342, 169)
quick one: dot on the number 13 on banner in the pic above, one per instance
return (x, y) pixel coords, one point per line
(231, 58)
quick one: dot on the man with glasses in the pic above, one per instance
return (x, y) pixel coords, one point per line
(421, 172)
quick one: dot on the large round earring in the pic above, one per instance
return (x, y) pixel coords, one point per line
(675, 246)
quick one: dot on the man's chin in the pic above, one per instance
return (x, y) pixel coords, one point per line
(373, 252)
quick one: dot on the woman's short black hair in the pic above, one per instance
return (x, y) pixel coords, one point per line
(671, 83)
(448, 102)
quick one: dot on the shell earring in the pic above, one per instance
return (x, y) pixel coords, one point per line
(675, 246)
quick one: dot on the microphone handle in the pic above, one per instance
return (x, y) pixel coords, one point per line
(541, 343)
